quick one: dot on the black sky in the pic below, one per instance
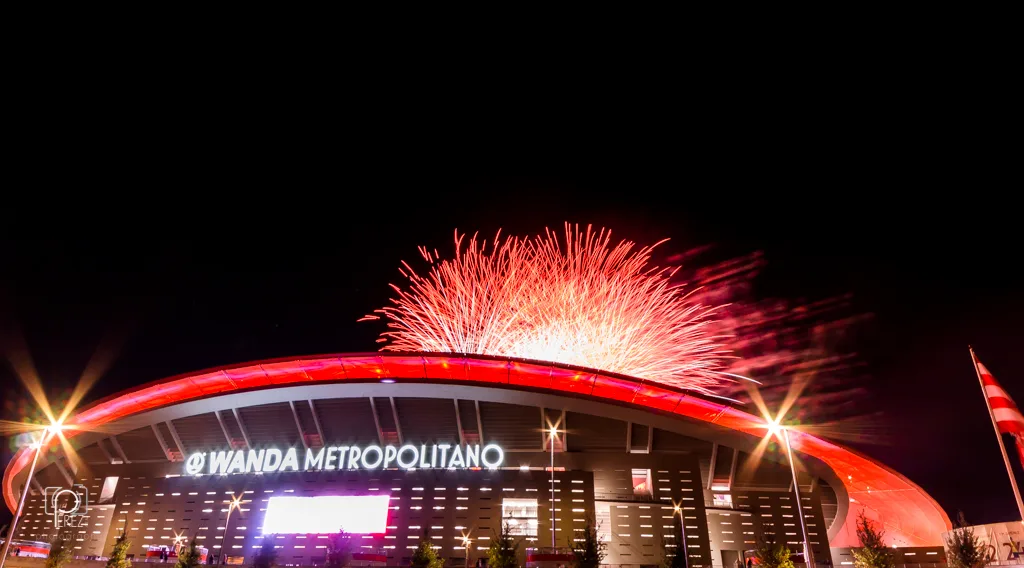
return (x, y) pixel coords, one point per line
(177, 279)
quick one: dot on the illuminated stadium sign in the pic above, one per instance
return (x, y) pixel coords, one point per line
(330, 458)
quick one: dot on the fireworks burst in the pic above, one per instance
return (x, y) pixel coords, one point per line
(804, 352)
(579, 300)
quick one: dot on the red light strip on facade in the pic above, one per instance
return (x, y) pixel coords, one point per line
(910, 516)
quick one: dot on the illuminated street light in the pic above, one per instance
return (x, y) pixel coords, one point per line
(48, 432)
(553, 432)
(236, 503)
(775, 428)
(179, 542)
(466, 541)
(678, 510)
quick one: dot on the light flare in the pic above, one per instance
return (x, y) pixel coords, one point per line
(102, 358)
(576, 298)
(776, 428)
(41, 417)
(20, 359)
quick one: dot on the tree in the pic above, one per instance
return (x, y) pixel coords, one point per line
(770, 554)
(189, 557)
(504, 550)
(425, 556)
(965, 550)
(119, 555)
(339, 550)
(266, 556)
(60, 552)
(873, 553)
(591, 551)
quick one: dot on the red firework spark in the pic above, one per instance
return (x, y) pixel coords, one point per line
(804, 352)
(578, 300)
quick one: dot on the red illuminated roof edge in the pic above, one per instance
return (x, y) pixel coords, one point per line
(518, 374)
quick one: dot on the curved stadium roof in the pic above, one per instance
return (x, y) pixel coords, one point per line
(909, 515)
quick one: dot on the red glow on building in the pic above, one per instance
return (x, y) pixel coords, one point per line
(908, 514)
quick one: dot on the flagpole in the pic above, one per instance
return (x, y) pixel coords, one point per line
(999, 437)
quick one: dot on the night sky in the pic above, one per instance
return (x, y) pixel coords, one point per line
(169, 283)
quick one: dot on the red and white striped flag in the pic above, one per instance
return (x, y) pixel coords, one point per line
(1008, 418)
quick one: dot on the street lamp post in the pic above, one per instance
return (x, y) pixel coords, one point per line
(235, 503)
(551, 442)
(682, 533)
(179, 542)
(466, 541)
(808, 558)
(28, 483)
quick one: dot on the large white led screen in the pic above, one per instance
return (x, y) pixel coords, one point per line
(325, 514)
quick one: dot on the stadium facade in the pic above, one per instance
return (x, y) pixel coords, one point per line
(398, 447)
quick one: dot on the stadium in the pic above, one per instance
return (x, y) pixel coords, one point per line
(395, 448)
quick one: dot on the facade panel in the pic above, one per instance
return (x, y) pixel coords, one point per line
(349, 420)
(647, 506)
(200, 431)
(427, 419)
(140, 444)
(513, 426)
(270, 424)
(588, 432)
